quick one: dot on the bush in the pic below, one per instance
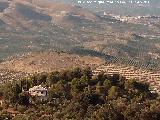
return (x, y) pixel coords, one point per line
(20, 117)
(21, 109)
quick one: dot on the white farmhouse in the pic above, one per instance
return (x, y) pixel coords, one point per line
(39, 91)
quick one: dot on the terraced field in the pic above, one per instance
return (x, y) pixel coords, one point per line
(131, 72)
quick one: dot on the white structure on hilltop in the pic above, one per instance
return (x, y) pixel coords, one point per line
(38, 91)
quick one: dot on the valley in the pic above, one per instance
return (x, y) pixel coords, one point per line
(29, 27)
(63, 60)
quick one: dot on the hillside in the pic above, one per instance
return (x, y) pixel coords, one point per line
(21, 13)
(17, 68)
(77, 94)
(131, 72)
(60, 61)
(36, 26)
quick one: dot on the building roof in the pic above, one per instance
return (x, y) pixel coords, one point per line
(38, 91)
(38, 88)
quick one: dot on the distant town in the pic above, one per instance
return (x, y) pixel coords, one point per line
(148, 20)
(113, 2)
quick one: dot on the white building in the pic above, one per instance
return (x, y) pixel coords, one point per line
(38, 91)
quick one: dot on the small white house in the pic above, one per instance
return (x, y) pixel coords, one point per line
(38, 91)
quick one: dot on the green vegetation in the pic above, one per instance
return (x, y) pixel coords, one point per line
(42, 35)
(77, 94)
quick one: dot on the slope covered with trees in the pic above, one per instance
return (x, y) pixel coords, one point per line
(77, 94)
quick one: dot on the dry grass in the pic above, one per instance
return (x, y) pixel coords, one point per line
(44, 62)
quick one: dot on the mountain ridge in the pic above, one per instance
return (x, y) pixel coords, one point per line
(33, 26)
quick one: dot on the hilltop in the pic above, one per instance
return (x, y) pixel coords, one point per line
(77, 94)
(17, 68)
(50, 61)
(20, 67)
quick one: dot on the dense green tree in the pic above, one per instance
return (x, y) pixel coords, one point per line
(101, 76)
(53, 78)
(75, 94)
(16, 90)
(25, 84)
(76, 73)
(41, 78)
(113, 92)
(33, 80)
(24, 99)
(115, 79)
(87, 72)
(107, 84)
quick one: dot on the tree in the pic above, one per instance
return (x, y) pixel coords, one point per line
(25, 84)
(107, 84)
(115, 79)
(75, 84)
(16, 90)
(101, 76)
(41, 78)
(84, 81)
(24, 99)
(33, 80)
(53, 78)
(113, 92)
(87, 72)
(79, 84)
(100, 89)
(78, 96)
(76, 73)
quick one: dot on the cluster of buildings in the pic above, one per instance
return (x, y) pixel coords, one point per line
(128, 18)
